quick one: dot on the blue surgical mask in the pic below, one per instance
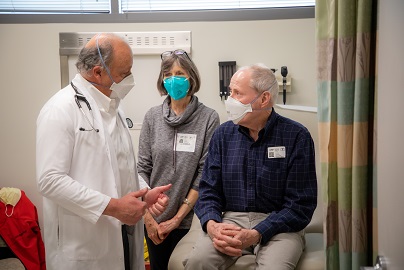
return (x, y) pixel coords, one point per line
(176, 86)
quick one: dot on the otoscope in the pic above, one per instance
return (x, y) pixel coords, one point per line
(284, 72)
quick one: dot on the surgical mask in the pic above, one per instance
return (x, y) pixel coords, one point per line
(176, 86)
(237, 110)
(121, 89)
(10, 196)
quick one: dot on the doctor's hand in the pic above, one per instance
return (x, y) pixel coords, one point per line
(128, 209)
(156, 200)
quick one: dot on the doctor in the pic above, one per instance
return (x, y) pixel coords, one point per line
(86, 167)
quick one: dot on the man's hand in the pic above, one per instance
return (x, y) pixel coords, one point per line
(156, 200)
(128, 209)
(248, 237)
(224, 237)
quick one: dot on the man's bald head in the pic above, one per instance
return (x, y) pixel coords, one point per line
(105, 45)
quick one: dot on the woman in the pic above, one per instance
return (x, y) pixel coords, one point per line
(172, 149)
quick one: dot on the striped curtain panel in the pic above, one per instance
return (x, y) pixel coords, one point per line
(345, 33)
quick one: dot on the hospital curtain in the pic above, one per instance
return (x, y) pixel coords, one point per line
(345, 37)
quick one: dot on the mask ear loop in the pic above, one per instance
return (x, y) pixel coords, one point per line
(256, 98)
(12, 211)
(102, 60)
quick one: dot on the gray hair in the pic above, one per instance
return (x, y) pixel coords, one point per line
(263, 79)
(184, 62)
(89, 56)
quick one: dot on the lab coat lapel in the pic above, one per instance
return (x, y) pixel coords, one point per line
(128, 138)
(82, 84)
(114, 162)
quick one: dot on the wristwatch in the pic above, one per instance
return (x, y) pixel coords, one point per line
(187, 202)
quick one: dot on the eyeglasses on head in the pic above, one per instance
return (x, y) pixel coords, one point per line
(166, 54)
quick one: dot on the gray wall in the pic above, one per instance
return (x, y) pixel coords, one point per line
(390, 130)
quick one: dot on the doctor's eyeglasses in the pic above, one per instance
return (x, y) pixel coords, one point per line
(166, 54)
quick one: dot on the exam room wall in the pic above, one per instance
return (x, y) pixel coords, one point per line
(30, 75)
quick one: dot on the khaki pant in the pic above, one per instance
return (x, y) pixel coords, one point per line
(282, 252)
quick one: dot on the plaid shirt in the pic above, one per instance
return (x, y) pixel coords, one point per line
(275, 174)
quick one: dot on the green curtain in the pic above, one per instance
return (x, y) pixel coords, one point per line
(345, 33)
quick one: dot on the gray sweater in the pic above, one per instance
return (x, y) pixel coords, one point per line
(159, 164)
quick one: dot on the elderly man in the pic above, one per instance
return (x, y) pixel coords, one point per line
(258, 189)
(86, 167)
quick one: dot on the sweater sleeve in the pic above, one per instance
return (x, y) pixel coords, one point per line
(212, 124)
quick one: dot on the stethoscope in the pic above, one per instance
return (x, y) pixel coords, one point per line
(80, 97)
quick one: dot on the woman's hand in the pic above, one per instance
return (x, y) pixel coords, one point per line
(168, 226)
(152, 228)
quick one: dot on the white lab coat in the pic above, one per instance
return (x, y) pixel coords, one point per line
(77, 173)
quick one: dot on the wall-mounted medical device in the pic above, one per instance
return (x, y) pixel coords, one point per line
(284, 73)
(284, 80)
(226, 71)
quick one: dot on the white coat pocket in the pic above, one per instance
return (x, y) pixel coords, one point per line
(82, 240)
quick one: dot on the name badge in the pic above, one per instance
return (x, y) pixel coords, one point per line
(185, 142)
(277, 152)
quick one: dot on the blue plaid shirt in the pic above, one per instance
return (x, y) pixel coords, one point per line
(275, 174)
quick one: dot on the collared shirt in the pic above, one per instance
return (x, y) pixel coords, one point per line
(275, 174)
(112, 122)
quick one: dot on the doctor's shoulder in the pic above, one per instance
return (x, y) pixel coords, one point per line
(62, 101)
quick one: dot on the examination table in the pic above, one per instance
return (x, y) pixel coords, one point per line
(313, 257)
